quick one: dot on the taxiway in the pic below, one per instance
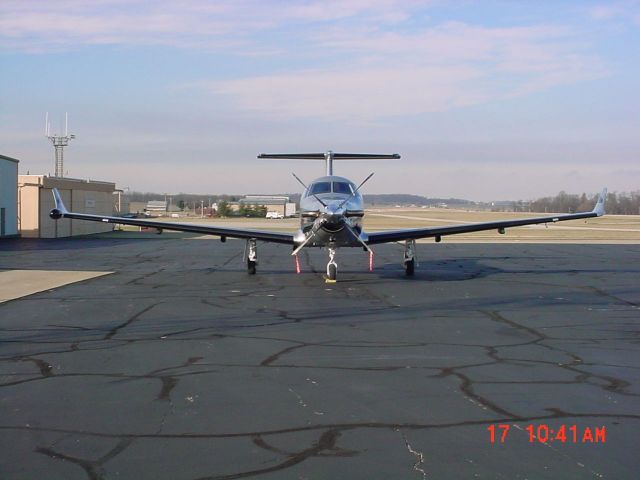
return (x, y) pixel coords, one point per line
(178, 365)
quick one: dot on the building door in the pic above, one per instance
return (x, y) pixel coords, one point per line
(3, 218)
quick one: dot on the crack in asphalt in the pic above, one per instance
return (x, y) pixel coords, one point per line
(419, 456)
(114, 331)
(93, 468)
(232, 317)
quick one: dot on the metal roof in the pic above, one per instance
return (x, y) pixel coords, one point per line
(265, 199)
(4, 157)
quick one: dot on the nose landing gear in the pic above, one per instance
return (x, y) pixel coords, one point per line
(332, 267)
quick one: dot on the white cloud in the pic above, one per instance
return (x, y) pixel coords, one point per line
(350, 74)
(436, 69)
(615, 10)
(604, 12)
(360, 93)
(382, 70)
(41, 26)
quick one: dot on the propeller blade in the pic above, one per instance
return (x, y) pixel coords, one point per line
(305, 187)
(312, 233)
(365, 181)
(318, 198)
(299, 181)
(300, 247)
(356, 190)
(355, 234)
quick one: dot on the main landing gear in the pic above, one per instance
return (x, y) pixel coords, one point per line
(252, 256)
(409, 260)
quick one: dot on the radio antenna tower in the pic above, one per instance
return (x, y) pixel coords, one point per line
(59, 142)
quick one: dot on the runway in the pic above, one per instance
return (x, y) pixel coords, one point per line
(178, 365)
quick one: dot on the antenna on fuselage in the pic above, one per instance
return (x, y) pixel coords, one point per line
(329, 156)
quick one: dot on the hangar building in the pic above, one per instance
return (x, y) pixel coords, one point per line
(35, 201)
(273, 203)
(8, 196)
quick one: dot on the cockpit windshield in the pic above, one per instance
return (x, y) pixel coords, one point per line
(328, 187)
(342, 187)
(320, 187)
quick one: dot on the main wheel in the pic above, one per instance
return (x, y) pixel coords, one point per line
(409, 267)
(251, 267)
(333, 271)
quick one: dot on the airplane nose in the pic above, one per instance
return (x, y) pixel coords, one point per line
(333, 209)
(333, 220)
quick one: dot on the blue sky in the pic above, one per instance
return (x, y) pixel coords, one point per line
(484, 100)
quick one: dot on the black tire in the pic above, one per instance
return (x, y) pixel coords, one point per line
(251, 267)
(410, 267)
(333, 271)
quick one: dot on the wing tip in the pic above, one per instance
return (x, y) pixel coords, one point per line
(60, 210)
(599, 207)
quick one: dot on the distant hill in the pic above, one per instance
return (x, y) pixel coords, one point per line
(404, 199)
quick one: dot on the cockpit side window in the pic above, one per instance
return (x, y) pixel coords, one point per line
(320, 187)
(342, 187)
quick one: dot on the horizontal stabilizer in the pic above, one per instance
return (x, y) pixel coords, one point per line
(330, 156)
(335, 156)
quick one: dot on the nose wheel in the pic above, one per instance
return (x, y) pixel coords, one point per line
(332, 267)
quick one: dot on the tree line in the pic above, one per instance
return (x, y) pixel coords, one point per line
(185, 198)
(225, 210)
(616, 203)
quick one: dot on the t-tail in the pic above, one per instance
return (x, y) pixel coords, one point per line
(329, 157)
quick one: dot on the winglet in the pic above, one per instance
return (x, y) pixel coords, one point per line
(599, 208)
(60, 209)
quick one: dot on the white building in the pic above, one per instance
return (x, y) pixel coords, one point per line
(8, 196)
(156, 206)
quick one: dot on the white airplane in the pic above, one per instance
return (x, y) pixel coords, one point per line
(331, 214)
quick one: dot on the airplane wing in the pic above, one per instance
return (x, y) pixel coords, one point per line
(61, 212)
(438, 232)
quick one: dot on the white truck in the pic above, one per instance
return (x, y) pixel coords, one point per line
(274, 215)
